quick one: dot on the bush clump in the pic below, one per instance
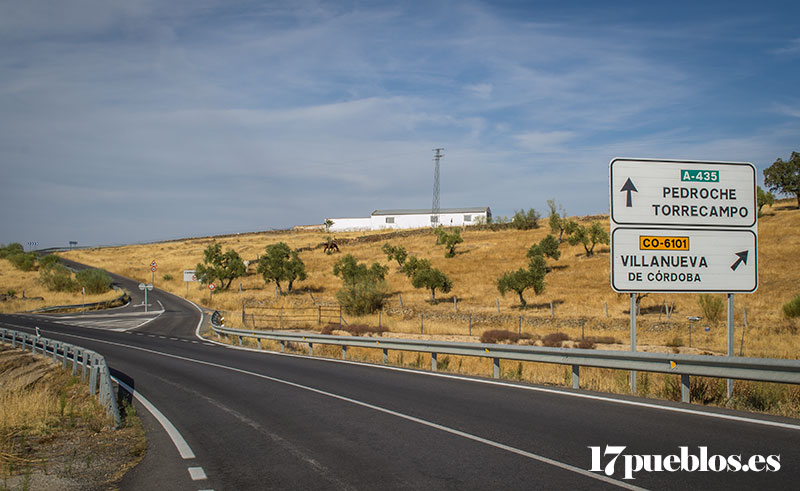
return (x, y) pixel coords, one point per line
(24, 261)
(354, 329)
(585, 344)
(554, 339)
(791, 308)
(57, 278)
(603, 339)
(94, 280)
(495, 336)
(712, 307)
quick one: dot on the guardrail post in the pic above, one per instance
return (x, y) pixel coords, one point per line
(385, 356)
(283, 346)
(93, 377)
(576, 376)
(344, 352)
(258, 340)
(686, 394)
(64, 349)
(55, 351)
(310, 349)
(434, 363)
(240, 340)
(74, 361)
(85, 360)
(496, 367)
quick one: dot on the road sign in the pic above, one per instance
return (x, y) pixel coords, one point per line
(684, 260)
(211, 286)
(142, 286)
(683, 193)
(153, 269)
(189, 275)
(153, 264)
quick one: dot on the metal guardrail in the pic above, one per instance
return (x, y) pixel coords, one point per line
(757, 369)
(91, 364)
(124, 298)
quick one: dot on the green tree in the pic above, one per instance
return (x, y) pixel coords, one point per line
(432, 279)
(519, 281)
(48, 261)
(449, 240)
(280, 263)
(595, 234)
(328, 223)
(763, 198)
(546, 247)
(525, 220)
(57, 278)
(413, 264)
(557, 218)
(351, 271)
(218, 266)
(784, 176)
(398, 253)
(24, 261)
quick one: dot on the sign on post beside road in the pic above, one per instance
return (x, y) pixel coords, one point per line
(189, 276)
(683, 226)
(691, 193)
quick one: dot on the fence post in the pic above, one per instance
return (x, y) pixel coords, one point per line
(519, 327)
(400, 296)
(497, 303)
(421, 322)
(552, 311)
(470, 324)
(455, 303)
(243, 315)
(319, 315)
(380, 315)
(583, 325)
(576, 376)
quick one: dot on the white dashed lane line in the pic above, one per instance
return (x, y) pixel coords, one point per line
(197, 473)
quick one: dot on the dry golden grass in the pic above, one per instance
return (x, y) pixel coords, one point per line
(37, 295)
(578, 286)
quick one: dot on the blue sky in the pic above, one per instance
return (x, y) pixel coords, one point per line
(133, 121)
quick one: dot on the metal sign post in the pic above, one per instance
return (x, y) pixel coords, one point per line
(210, 293)
(683, 226)
(189, 276)
(145, 289)
(153, 267)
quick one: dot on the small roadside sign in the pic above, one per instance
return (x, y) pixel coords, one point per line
(153, 264)
(211, 286)
(153, 269)
(189, 275)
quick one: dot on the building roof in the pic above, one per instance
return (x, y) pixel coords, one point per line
(427, 211)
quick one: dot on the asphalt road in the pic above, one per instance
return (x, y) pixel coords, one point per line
(274, 421)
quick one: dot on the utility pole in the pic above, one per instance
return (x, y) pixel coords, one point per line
(435, 208)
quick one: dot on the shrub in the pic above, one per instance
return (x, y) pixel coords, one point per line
(554, 339)
(449, 239)
(362, 297)
(168, 277)
(792, 307)
(11, 249)
(712, 307)
(48, 261)
(585, 344)
(603, 339)
(24, 261)
(354, 329)
(523, 220)
(675, 342)
(57, 278)
(495, 336)
(94, 280)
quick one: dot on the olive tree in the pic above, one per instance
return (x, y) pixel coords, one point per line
(280, 263)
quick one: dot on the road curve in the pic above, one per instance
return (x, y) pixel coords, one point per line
(267, 420)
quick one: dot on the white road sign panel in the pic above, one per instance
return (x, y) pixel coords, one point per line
(188, 275)
(653, 259)
(683, 193)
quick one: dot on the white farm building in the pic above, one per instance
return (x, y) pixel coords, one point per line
(396, 219)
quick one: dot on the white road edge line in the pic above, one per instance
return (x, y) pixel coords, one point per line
(174, 434)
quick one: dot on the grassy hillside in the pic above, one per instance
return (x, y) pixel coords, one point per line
(578, 286)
